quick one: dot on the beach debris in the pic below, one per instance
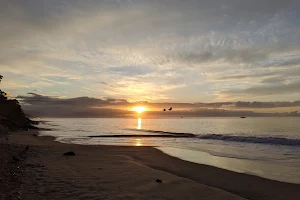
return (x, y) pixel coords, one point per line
(16, 159)
(24, 151)
(34, 165)
(158, 181)
(170, 108)
(69, 153)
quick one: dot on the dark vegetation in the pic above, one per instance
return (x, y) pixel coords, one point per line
(12, 117)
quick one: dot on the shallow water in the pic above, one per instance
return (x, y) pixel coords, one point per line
(267, 147)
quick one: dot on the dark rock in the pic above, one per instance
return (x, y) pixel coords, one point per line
(3, 129)
(158, 181)
(33, 122)
(69, 153)
(22, 153)
(16, 159)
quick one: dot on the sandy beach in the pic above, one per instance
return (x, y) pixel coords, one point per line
(35, 168)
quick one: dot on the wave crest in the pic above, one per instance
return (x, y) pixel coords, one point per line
(253, 139)
(233, 138)
(165, 132)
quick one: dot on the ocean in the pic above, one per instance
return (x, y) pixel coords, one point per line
(265, 147)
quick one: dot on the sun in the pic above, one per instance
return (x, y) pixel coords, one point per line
(139, 109)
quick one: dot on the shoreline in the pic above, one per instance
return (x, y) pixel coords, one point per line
(128, 171)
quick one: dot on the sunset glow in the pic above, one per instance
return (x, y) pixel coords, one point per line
(137, 58)
(139, 109)
(150, 99)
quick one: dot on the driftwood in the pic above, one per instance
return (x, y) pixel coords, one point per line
(69, 153)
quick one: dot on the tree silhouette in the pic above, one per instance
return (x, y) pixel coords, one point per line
(2, 94)
(11, 113)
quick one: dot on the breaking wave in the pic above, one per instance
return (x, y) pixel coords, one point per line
(253, 139)
(233, 138)
(164, 132)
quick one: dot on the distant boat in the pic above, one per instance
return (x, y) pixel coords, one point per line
(243, 117)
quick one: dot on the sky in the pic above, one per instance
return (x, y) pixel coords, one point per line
(158, 51)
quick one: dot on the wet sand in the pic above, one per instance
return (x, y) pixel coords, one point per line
(116, 172)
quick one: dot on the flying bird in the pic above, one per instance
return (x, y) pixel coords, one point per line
(170, 109)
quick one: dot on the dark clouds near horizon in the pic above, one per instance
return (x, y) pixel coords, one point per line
(46, 106)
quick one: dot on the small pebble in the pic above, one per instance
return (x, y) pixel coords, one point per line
(158, 181)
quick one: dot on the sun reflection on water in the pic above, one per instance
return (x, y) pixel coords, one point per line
(139, 125)
(138, 142)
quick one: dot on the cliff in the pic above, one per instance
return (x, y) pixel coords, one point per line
(12, 117)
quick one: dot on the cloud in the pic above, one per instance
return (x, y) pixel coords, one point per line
(265, 104)
(132, 70)
(266, 90)
(286, 63)
(41, 84)
(248, 76)
(229, 54)
(37, 99)
(150, 50)
(51, 106)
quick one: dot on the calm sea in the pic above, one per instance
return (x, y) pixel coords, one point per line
(266, 147)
